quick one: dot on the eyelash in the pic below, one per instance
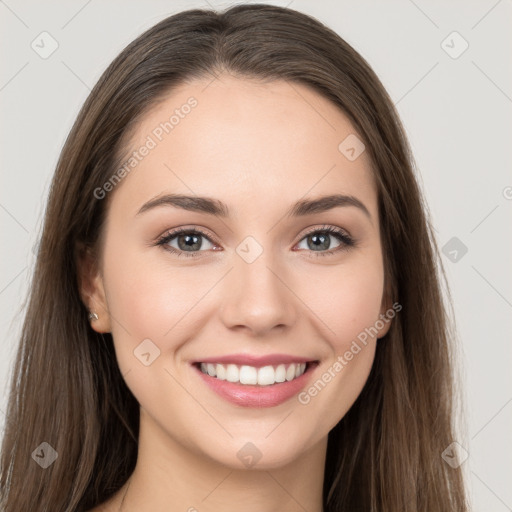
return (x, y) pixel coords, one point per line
(346, 241)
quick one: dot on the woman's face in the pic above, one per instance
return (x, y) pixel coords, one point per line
(261, 279)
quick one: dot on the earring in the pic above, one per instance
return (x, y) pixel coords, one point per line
(93, 316)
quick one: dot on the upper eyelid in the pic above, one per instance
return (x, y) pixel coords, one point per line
(325, 227)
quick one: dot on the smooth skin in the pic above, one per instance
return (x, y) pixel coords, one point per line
(257, 147)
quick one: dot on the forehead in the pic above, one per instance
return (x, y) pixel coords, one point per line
(247, 143)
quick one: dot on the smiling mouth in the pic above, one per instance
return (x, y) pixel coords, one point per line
(251, 375)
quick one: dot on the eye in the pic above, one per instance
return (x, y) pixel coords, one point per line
(187, 241)
(319, 239)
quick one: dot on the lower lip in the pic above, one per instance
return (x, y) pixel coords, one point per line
(257, 396)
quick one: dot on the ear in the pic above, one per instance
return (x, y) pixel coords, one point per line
(387, 313)
(91, 288)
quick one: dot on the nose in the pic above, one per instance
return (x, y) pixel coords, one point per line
(257, 298)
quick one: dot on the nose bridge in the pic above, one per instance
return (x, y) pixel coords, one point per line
(257, 296)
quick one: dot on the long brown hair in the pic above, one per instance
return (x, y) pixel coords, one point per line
(67, 390)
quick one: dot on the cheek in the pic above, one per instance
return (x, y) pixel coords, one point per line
(350, 308)
(150, 301)
(348, 301)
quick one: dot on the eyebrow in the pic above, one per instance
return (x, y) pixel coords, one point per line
(215, 207)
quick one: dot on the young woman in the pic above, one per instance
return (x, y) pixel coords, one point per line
(236, 303)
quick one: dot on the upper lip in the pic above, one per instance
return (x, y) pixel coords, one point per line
(256, 361)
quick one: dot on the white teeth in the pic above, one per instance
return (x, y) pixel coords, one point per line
(280, 373)
(250, 375)
(220, 371)
(290, 373)
(232, 373)
(266, 376)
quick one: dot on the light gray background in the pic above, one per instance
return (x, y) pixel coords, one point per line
(457, 112)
